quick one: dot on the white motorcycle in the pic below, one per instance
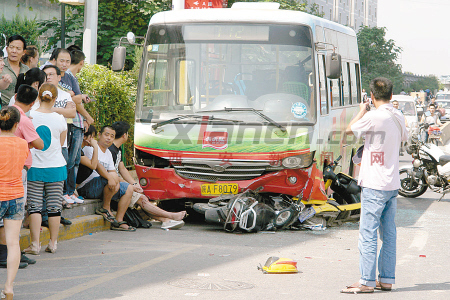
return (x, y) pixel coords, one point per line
(430, 169)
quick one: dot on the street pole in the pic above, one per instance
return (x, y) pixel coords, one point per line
(90, 31)
(63, 25)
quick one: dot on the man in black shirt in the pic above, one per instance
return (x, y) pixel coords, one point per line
(169, 220)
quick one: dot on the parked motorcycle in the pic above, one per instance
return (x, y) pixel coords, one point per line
(430, 169)
(253, 211)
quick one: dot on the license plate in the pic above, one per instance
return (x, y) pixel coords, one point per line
(217, 189)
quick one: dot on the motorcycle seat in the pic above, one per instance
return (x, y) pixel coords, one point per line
(444, 159)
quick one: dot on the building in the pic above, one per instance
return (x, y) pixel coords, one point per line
(31, 9)
(352, 13)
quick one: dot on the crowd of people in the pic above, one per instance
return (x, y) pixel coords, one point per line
(51, 155)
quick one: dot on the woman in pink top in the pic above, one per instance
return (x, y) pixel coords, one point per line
(13, 153)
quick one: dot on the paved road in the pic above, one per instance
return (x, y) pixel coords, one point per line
(202, 262)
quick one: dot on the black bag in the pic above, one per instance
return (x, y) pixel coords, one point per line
(133, 218)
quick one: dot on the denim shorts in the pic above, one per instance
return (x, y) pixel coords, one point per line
(94, 189)
(12, 209)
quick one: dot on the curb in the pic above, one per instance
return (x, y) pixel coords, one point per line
(80, 226)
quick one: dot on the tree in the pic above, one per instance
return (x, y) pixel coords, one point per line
(426, 82)
(312, 9)
(377, 57)
(115, 19)
(28, 28)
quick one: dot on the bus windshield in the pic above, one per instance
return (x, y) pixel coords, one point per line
(207, 69)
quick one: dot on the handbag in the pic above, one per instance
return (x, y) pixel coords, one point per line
(133, 218)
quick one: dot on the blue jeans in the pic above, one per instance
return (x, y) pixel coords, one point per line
(94, 189)
(74, 141)
(378, 210)
(12, 209)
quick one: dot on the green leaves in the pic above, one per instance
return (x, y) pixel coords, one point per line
(115, 19)
(28, 28)
(378, 57)
(115, 95)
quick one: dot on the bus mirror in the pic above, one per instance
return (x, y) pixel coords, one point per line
(333, 65)
(118, 61)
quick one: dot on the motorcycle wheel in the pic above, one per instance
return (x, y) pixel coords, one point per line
(409, 188)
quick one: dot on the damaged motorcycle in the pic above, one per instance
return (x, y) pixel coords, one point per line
(253, 211)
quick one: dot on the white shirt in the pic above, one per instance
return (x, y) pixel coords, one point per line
(61, 102)
(104, 158)
(49, 126)
(380, 160)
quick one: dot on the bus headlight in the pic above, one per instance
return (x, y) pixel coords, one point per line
(298, 161)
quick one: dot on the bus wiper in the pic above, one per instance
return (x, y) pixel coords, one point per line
(209, 118)
(256, 111)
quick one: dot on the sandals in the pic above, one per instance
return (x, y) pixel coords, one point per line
(7, 296)
(66, 205)
(379, 286)
(33, 249)
(361, 289)
(118, 228)
(107, 216)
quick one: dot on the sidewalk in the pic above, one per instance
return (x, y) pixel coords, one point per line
(84, 222)
(81, 225)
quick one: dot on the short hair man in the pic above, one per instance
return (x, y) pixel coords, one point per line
(384, 129)
(104, 182)
(169, 220)
(13, 67)
(395, 104)
(68, 82)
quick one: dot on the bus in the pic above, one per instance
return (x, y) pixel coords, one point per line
(248, 97)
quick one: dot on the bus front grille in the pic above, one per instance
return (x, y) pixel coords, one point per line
(212, 171)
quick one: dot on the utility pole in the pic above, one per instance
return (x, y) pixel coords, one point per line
(63, 25)
(90, 31)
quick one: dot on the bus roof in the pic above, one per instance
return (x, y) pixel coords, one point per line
(238, 15)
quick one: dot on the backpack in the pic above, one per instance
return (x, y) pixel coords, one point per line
(133, 218)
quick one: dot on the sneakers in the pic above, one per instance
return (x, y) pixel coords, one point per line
(68, 199)
(172, 224)
(22, 265)
(76, 199)
(24, 259)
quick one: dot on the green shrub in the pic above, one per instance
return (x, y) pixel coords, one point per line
(27, 28)
(115, 95)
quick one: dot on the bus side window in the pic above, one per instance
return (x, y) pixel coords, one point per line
(358, 83)
(323, 89)
(353, 83)
(335, 89)
(345, 84)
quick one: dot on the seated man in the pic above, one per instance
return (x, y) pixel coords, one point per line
(104, 182)
(170, 220)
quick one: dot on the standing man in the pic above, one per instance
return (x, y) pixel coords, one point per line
(384, 129)
(13, 67)
(75, 130)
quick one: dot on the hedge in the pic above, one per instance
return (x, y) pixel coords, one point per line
(115, 95)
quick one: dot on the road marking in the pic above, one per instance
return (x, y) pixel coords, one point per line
(94, 255)
(108, 277)
(56, 279)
